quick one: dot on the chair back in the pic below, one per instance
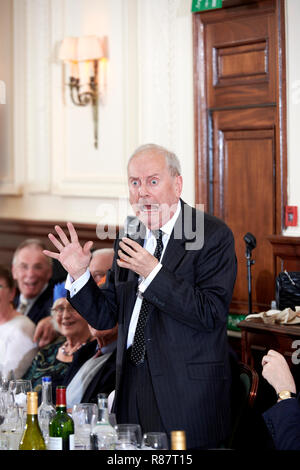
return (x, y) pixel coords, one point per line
(243, 401)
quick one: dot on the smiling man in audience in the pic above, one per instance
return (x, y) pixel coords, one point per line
(32, 271)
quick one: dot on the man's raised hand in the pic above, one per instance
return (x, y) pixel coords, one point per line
(72, 256)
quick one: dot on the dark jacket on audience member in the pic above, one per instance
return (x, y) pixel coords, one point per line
(105, 379)
(42, 306)
(283, 423)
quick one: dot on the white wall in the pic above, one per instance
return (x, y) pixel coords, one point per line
(49, 168)
(149, 99)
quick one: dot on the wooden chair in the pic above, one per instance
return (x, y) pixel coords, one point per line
(243, 401)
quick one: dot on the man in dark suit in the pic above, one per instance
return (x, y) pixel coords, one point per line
(283, 418)
(169, 288)
(93, 369)
(32, 271)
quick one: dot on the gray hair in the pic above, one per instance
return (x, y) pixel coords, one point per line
(172, 160)
(31, 242)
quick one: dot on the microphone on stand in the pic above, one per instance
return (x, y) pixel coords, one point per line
(250, 241)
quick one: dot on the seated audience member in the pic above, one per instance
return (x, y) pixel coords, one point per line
(93, 369)
(283, 418)
(17, 348)
(101, 262)
(32, 272)
(55, 359)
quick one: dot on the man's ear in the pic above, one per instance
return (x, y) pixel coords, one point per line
(178, 185)
(13, 271)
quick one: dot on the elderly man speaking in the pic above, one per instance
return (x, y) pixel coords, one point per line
(170, 294)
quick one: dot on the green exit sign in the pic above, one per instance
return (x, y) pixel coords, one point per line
(201, 5)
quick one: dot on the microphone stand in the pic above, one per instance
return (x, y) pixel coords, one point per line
(249, 264)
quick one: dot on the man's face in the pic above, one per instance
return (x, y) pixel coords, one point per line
(153, 192)
(31, 270)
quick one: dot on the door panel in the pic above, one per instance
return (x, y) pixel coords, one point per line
(239, 64)
(244, 186)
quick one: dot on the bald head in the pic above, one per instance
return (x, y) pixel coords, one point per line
(101, 262)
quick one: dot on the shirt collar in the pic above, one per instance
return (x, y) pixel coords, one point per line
(109, 347)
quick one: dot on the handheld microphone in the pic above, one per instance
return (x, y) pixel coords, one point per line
(130, 231)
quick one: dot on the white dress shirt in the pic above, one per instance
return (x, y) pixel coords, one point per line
(149, 245)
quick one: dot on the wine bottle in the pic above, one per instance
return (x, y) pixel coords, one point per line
(46, 410)
(178, 440)
(32, 438)
(103, 435)
(61, 426)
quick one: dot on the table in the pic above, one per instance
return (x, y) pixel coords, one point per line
(258, 337)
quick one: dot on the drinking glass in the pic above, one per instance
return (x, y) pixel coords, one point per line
(85, 417)
(11, 428)
(155, 441)
(127, 440)
(19, 389)
(130, 429)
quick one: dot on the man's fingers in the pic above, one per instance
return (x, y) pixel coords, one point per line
(134, 245)
(51, 254)
(87, 247)
(72, 231)
(55, 242)
(62, 235)
(127, 249)
(124, 257)
(123, 264)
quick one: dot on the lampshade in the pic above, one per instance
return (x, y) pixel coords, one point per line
(68, 49)
(89, 48)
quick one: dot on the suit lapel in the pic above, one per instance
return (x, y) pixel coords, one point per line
(175, 250)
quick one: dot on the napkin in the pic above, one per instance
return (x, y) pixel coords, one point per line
(286, 316)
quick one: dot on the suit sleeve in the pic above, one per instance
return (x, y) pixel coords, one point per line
(283, 423)
(96, 304)
(199, 291)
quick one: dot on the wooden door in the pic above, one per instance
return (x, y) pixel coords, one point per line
(240, 133)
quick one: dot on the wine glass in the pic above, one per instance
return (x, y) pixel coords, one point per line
(130, 429)
(84, 416)
(155, 441)
(5, 378)
(19, 388)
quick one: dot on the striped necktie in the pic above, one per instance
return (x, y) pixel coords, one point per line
(138, 346)
(22, 306)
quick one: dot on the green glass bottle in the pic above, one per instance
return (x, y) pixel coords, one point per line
(32, 438)
(61, 426)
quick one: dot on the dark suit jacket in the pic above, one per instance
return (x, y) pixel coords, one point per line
(283, 423)
(186, 331)
(103, 382)
(42, 306)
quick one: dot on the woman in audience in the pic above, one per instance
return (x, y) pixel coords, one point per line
(17, 348)
(55, 359)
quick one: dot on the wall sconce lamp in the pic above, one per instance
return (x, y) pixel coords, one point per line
(83, 55)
